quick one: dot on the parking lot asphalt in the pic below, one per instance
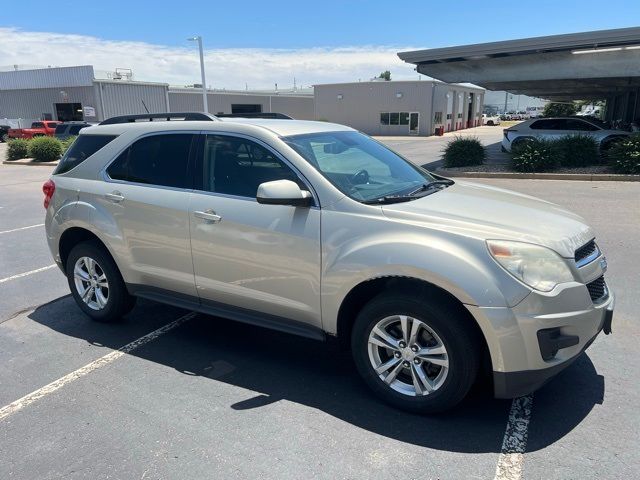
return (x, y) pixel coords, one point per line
(208, 398)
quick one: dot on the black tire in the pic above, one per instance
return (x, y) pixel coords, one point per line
(119, 302)
(459, 339)
(490, 123)
(520, 141)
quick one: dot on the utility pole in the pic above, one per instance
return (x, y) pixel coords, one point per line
(506, 99)
(204, 82)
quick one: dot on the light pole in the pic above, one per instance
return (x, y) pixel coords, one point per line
(204, 81)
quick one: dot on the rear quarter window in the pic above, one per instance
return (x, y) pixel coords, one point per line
(83, 147)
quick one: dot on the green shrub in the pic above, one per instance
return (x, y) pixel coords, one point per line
(624, 155)
(66, 143)
(463, 152)
(17, 149)
(535, 156)
(577, 151)
(45, 149)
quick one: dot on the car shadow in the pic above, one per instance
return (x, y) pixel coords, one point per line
(279, 366)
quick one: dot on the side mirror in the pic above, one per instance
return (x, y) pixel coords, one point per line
(283, 192)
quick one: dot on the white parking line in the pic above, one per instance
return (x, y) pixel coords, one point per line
(88, 368)
(514, 443)
(30, 272)
(22, 228)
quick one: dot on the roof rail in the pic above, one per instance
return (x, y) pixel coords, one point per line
(280, 116)
(168, 116)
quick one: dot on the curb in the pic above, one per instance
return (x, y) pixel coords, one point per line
(30, 163)
(585, 177)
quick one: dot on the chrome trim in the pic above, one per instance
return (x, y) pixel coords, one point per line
(587, 260)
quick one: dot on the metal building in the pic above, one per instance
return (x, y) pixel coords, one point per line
(73, 93)
(400, 107)
(599, 65)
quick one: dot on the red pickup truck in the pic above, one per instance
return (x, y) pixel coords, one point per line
(38, 129)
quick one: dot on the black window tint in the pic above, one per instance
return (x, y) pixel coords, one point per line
(60, 128)
(37, 125)
(580, 126)
(551, 124)
(83, 147)
(74, 129)
(236, 166)
(155, 160)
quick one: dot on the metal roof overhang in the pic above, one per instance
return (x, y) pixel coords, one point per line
(577, 66)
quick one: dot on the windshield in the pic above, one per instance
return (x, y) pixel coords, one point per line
(359, 166)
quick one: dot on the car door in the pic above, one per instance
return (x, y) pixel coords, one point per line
(262, 260)
(146, 193)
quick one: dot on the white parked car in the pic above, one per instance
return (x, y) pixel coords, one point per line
(557, 127)
(490, 120)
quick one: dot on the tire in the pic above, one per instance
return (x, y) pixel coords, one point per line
(110, 299)
(5, 137)
(441, 326)
(490, 123)
(520, 141)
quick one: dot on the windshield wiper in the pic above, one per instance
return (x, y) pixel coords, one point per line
(400, 198)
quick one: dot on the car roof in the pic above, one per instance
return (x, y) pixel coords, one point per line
(282, 128)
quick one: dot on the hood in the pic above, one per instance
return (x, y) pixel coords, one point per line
(487, 212)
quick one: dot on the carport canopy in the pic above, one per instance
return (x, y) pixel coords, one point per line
(599, 65)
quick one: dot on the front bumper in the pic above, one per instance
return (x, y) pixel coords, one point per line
(522, 355)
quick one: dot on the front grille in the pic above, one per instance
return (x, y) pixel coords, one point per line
(585, 251)
(598, 290)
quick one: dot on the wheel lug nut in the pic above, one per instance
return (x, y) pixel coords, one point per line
(402, 344)
(405, 364)
(397, 354)
(414, 348)
(416, 361)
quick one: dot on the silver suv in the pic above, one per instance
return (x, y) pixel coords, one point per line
(318, 230)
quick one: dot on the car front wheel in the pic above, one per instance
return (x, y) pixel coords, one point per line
(96, 284)
(415, 354)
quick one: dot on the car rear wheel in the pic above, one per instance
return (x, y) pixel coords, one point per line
(96, 284)
(490, 123)
(417, 355)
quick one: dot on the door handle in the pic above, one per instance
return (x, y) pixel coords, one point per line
(208, 215)
(115, 197)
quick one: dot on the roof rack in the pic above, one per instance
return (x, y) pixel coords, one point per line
(149, 117)
(272, 115)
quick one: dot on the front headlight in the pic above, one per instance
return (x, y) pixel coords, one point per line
(539, 267)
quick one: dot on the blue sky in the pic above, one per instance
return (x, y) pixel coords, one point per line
(325, 23)
(259, 43)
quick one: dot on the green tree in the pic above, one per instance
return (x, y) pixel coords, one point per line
(386, 75)
(559, 109)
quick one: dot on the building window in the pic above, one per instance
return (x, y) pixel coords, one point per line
(437, 118)
(459, 115)
(394, 118)
(448, 116)
(246, 108)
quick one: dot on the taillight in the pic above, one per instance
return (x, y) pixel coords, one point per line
(48, 189)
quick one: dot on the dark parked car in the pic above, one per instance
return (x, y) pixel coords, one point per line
(4, 133)
(69, 129)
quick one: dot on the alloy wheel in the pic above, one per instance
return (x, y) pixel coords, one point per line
(408, 355)
(91, 283)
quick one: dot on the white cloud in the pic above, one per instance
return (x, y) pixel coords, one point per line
(226, 68)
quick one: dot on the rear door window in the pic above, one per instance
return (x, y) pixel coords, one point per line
(155, 160)
(83, 147)
(60, 129)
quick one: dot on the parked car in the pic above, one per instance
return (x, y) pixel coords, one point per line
(38, 129)
(317, 230)
(69, 129)
(4, 133)
(556, 127)
(490, 119)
